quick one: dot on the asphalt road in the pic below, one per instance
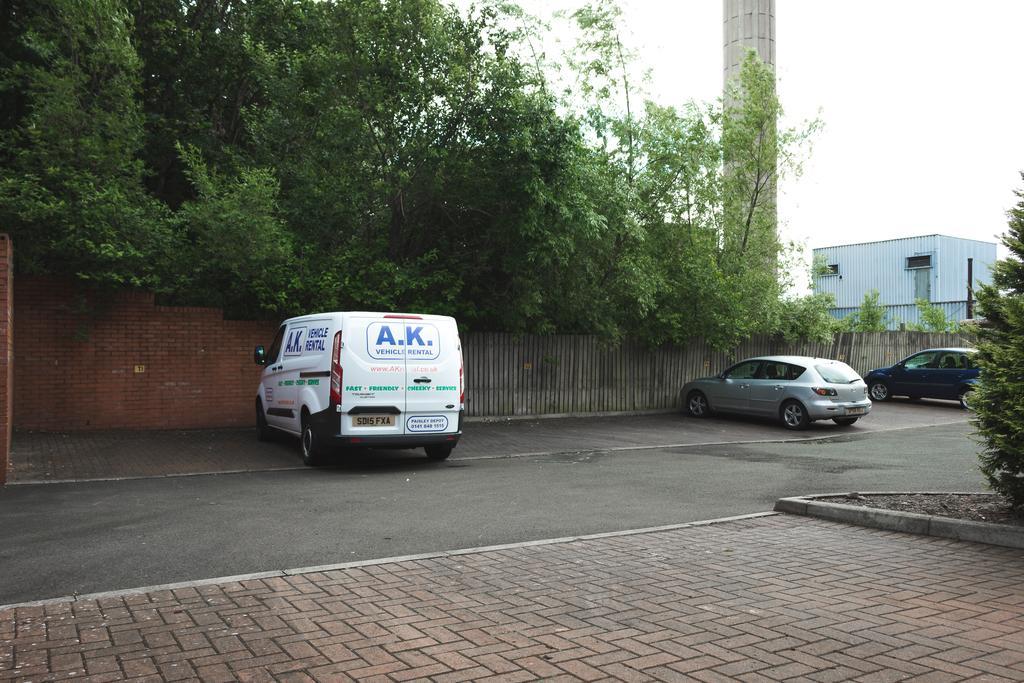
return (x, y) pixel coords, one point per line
(75, 456)
(84, 537)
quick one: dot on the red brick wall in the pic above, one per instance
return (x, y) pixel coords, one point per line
(76, 355)
(6, 329)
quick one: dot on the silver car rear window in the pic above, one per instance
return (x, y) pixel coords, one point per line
(837, 373)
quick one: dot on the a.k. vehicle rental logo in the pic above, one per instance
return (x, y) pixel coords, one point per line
(385, 341)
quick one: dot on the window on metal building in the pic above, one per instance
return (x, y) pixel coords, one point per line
(921, 265)
(831, 269)
(923, 284)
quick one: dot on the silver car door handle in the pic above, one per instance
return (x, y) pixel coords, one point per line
(778, 387)
(744, 386)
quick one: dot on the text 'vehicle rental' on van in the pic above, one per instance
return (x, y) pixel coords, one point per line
(381, 380)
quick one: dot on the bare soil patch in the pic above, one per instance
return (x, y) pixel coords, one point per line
(978, 507)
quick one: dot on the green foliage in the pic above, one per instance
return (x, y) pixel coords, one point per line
(870, 317)
(933, 319)
(71, 190)
(808, 317)
(212, 270)
(422, 168)
(998, 401)
(750, 145)
(819, 266)
(693, 234)
(281, 156)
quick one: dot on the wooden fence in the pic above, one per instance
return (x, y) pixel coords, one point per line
(512, 375)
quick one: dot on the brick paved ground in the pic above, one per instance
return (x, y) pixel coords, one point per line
(49, 456)
(771, 598)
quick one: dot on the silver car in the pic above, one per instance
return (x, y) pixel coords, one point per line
(796, 389)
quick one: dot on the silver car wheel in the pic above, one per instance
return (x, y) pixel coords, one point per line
(879, 392)
(698, 404)
(793, 415)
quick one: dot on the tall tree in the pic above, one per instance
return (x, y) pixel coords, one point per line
(239, 253)
(271, 156)
(999, 400)
(756, 154)
(71, 189)
(420, 163)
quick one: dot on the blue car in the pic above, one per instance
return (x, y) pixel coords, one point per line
(933, 373)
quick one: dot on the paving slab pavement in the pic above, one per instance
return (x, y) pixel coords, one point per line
(765, 598)
(50, 456)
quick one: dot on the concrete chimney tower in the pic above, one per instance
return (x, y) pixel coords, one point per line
(747, 24)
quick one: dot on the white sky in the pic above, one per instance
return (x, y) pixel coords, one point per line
(922, 101)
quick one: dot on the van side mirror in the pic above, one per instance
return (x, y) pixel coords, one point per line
(259, 355)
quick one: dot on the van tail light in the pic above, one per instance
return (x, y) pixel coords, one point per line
(462, 391)
(336, 371)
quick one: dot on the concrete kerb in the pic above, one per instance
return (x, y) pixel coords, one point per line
(282, 573)
(907, 522)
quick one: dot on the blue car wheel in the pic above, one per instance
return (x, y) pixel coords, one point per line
(879, 391)
(962, 397)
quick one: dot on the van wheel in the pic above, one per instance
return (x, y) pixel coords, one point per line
(310, 443)
(262, 428)
(438, 452)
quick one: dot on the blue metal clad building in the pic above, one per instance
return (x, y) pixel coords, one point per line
(931, 267)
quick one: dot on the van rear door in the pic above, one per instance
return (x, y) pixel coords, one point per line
(433, 366)
(373, 377)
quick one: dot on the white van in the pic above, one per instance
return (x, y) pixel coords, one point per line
(386, 380)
